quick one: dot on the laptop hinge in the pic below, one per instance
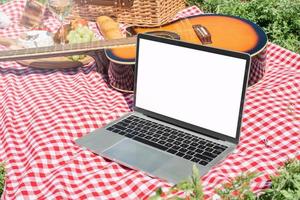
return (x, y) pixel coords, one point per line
(219, 139)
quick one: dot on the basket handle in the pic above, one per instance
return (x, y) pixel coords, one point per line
(116, 3)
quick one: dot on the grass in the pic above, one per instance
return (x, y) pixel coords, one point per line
(2, 178)
(280, 19)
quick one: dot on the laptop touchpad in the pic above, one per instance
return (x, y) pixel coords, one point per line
(138, 155)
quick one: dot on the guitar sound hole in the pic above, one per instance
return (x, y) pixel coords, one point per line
(165, 34)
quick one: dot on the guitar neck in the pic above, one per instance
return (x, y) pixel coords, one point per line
(64, 50)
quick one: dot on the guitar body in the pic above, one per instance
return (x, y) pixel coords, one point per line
(220, 31)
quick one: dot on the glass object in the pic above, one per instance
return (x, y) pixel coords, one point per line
(33, 13)
(61, 8)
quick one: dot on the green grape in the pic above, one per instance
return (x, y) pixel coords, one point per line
(86, 29)
(73, 37)
(71, 34)
(74, 58)
(91, 33)
(82, 56)
(85, 38)
(81, 34)
(81, 30)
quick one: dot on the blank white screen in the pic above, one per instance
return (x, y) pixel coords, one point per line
(193, 86)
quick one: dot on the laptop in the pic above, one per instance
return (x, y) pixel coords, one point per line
(188, 105)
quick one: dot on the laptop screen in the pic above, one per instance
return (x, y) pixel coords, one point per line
(194, 86)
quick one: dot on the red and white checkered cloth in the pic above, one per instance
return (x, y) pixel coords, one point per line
(42, 112)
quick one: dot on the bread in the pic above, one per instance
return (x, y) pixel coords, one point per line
(109, 28)
(60, 35)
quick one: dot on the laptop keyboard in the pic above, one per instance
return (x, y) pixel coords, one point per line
(168, 139)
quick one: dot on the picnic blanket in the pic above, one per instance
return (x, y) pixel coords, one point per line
(42, 112)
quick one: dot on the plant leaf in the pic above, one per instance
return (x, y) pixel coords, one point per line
(287, 195)
(157, 195)
(184, 185)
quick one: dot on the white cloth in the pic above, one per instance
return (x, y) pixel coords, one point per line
(4, 20)
(36, 39)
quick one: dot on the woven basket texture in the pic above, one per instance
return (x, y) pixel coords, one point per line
(147, 13)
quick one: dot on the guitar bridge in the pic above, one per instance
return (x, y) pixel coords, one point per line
(203, 34)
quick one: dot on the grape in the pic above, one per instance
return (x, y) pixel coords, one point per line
(79, 35)
(82, 56)
(74, 58)
(81, 30)
(71, 34)
(86, 38)
(76, 39)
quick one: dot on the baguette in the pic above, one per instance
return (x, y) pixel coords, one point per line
(109, 28)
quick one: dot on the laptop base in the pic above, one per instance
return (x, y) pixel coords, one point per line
(136, 155)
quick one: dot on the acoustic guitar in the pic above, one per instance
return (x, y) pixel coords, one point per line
(220, 31)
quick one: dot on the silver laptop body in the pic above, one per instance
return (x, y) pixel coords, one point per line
(193, 94)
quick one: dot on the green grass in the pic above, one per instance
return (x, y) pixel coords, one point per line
(2, 178)
(280, 19)
(285, 184)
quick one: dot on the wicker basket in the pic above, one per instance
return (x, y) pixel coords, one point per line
(133, 12)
